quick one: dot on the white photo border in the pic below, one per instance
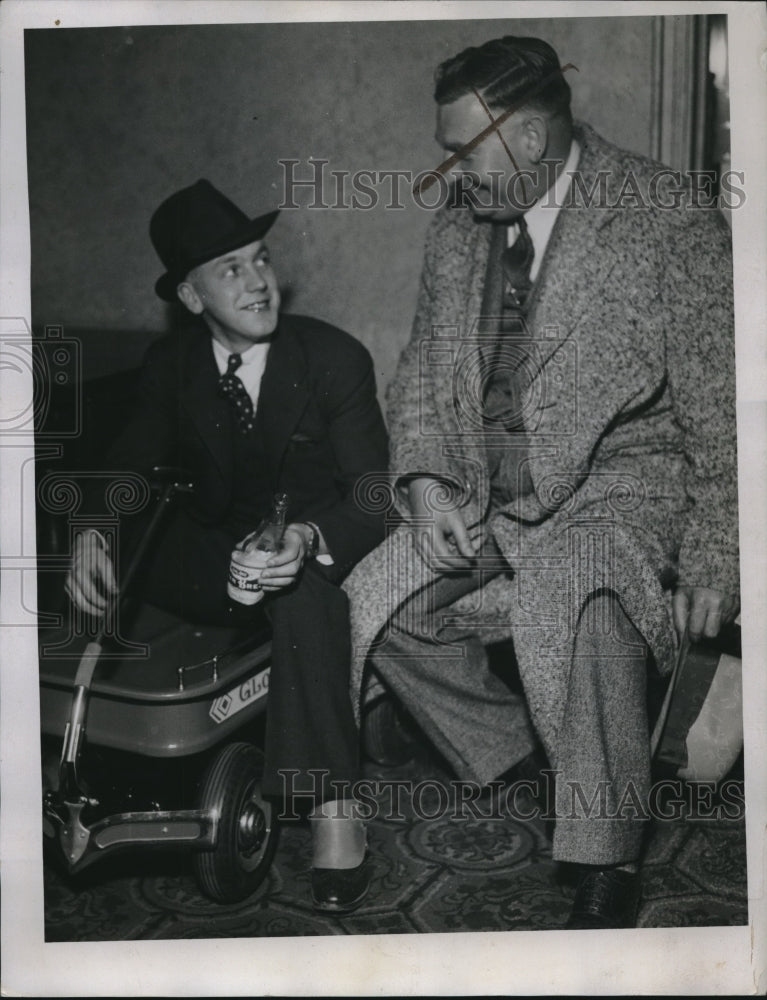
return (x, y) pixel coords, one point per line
(715, 960)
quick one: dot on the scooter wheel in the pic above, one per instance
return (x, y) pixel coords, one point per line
(247, 826)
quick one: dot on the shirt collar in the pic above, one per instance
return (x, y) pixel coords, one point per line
(254, 353)
(541, 217)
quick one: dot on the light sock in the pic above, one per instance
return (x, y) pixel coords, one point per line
(339, 837)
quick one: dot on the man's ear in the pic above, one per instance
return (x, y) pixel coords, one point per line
(188, 295)
(535, 137)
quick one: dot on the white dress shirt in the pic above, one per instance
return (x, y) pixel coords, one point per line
(541, 217)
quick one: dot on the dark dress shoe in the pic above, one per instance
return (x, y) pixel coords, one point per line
(388, 733)
(341, 890)
(604, 898)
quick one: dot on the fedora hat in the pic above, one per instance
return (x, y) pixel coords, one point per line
(193, 226)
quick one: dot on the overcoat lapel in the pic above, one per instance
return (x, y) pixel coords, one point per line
(458, 316)
(579, 259)
(562, 320)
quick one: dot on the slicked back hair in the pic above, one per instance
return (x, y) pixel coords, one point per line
(509, 71)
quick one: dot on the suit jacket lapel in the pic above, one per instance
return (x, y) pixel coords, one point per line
(282, 398)
(284, 394)
(208, 412)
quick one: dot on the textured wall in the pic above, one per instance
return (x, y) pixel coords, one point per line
(119, 118)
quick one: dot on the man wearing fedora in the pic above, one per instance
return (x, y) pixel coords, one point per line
(253, 402)
(564, 453)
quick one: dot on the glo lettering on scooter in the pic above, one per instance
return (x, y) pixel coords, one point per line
(227, 705)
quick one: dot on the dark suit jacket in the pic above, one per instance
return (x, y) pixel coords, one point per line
(320, 424)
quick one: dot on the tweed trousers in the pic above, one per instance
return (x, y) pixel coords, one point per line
(440, 671)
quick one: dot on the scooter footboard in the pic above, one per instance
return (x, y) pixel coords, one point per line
(82, 845)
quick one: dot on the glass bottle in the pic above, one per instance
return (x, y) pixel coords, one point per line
(254, 551)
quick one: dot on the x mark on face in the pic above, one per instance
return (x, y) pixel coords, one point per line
(494, 126)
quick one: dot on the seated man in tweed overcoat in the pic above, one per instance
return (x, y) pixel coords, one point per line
(564, 453)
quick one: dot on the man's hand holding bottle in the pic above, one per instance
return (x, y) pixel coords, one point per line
(283, 568)
(272, 557)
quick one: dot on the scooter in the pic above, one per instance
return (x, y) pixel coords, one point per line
(158, 732)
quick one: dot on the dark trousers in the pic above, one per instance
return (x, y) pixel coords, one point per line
(311, 737)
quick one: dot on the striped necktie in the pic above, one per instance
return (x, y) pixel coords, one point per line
(506, 441)
(517, 261)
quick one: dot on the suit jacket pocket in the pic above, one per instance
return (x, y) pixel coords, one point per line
(301, 440)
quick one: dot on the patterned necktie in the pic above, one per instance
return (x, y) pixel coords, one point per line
(504, 399)
(504, 386)
(231, 387)
(517, 261)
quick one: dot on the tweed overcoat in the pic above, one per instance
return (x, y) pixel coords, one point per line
(630, 418)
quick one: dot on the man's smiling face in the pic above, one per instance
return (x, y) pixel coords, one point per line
(237, 294)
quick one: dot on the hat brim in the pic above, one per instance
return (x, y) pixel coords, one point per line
(166, 284)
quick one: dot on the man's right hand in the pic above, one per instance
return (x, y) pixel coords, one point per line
(91, 579)
(449, 533)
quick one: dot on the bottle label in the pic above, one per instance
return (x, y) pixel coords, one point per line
(244, 574)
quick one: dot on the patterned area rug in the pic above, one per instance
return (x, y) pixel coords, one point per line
(481, 872)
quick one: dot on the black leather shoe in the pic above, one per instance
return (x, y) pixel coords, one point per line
(388, 733)
(341, 890)
(604, 898)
